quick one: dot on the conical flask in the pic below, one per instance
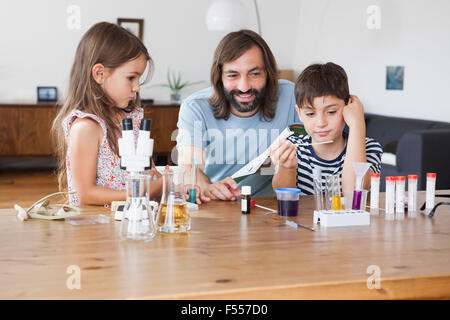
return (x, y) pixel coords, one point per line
(173, 216)
(138, 222)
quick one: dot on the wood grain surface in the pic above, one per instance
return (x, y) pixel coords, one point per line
(25, 128)
(226, 255)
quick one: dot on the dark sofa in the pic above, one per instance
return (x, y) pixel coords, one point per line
(420, 146)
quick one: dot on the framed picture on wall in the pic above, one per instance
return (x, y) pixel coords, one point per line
(46, 94)
(135, 26)
(394, 77)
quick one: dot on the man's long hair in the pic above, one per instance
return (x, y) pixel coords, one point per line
(230, 48)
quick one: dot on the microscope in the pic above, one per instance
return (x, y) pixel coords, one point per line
(135, 157)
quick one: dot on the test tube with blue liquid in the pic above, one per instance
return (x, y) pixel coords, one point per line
(194, 173)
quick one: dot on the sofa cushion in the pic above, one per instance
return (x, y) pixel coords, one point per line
(388, 130)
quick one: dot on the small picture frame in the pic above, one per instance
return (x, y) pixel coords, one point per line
(394, 77)
(135, 26)
(47, 94)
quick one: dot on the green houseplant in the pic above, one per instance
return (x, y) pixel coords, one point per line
(175, 85)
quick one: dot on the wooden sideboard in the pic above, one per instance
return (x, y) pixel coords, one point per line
(164, 123)
(25, 128)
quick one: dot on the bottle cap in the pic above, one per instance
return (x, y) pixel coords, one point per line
(375, 175)
(246, 190)
(401, 178)
(288, 190)
(390, 178)
(412, 176)
(431, 175)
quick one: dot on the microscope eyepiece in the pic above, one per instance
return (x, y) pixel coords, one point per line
(127, 124)
(146, 124)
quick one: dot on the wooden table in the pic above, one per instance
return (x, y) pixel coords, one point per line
(228, 255)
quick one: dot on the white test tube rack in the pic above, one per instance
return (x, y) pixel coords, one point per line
(343, 218)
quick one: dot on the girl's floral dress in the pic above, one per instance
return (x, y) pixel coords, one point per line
(109, 174)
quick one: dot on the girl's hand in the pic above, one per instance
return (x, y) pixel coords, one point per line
(154, 174)
(284, 154)
(353, 112)
(197, 193)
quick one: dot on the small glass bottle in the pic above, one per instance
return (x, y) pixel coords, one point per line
(246, 199)
(412, 193)
(431, 190)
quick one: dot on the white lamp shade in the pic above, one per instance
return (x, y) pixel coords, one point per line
(228, 15)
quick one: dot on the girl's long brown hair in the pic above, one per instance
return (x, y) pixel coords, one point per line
(110, 45)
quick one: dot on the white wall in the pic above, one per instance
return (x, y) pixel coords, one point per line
(414, 33)
(37, 48)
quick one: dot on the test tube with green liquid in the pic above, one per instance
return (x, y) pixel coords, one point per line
(194, 173)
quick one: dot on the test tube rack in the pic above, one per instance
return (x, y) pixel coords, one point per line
(343, 218)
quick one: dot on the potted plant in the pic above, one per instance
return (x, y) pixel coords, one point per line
(175, 85)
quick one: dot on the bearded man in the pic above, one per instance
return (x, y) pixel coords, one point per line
(223, 127)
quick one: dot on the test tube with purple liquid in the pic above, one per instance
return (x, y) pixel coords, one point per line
(360, 170)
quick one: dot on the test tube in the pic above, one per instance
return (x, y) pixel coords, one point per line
(328, 192)
(400, 194)
(194, 172)
(390, 195)
(374, 190)
(431, 190)
(412, 193)
(336, 193)
(318, 194)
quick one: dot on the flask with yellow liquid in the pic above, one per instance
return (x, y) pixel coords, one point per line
(173, 216)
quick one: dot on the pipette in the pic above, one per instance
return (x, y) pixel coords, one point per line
(194, 172)
(315, 143)
(360, 170)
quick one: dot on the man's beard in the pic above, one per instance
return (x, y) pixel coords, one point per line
(245, 106)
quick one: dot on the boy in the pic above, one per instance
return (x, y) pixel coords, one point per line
(325, 106)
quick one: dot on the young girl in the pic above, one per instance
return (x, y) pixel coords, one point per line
(103, 90)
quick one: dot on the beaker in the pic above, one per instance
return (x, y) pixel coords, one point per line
(287, 201)
(138, 222)
(173, 216)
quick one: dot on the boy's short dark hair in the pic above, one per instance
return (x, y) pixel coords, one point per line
(320, 80)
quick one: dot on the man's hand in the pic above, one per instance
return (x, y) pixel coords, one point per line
(354, 112)
(284, 154)
(198, 200)
(226, 189)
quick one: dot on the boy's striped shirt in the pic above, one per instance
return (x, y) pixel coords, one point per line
(307, 160)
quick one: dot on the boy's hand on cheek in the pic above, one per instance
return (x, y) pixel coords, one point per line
(353, 112)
